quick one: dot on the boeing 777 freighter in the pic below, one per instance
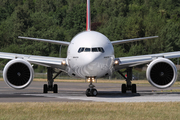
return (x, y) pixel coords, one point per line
(90, 56)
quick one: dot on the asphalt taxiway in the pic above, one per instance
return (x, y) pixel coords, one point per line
(75, 92)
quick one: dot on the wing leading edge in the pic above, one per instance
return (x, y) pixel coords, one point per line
(46, 40)
(132, 61)
(53, 62)
(132, 40)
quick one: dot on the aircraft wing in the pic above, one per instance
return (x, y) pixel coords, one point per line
(132, 61)
(132, 40)
(53, 62)
(46, 40)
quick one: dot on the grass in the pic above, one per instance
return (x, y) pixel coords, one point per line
(90, 111)
(99, 80)
(138, 82)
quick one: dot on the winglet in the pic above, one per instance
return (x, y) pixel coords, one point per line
(88, 16)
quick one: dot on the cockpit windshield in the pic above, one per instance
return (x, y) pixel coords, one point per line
(95, 50)
(87, 49)
(98, 49)
(80, 50)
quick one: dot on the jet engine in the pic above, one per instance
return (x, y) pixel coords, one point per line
(161, 73)
(18, 73)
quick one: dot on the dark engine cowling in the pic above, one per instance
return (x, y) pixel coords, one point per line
(18, 73)
(161, 73)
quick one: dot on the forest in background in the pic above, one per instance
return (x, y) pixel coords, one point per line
(63, 19)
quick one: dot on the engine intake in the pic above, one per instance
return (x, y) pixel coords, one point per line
(18, 73)
(161, 73)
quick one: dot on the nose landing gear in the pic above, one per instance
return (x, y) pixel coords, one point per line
(91, 91)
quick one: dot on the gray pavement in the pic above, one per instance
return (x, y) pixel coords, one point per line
(75, 92)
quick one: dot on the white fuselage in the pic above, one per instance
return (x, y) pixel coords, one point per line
(90, 54)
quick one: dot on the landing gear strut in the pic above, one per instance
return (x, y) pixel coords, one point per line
(50, 79)
(128, 86)
(91, 91)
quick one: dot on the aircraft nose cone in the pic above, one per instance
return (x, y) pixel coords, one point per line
(92, 65)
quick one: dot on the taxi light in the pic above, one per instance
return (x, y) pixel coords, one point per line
(63, 62)
(91, 80)
(116, 62)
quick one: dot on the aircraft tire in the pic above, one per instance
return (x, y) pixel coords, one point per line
(88, 92)
(45, 88)
(133, 88)
(94, 92)
(123, 88)
(55, 88)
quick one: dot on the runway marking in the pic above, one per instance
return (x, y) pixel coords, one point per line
(152, 98)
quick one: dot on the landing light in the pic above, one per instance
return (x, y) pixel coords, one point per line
(91, 79)
(116, 62)
(63, 62)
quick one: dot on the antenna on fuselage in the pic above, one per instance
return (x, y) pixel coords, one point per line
(88, 16)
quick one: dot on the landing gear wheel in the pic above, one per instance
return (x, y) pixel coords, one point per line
(91, 92)
(88, 92)
(133, 88)
(94, 92)
(123, 88)
(55, 88)
(45, 88)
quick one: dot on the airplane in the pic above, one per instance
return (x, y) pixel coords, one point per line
(90, 56)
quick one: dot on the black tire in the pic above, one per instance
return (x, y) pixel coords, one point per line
(123, 88)
(45, 88)
(133, 88)
(88, 92)
(55, 88)
(94, 92)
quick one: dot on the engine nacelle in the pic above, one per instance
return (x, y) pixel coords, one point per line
(18, 73)
(161, 73)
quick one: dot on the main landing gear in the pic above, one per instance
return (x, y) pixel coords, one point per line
(50, 79)
(91, 91)
(128, 86)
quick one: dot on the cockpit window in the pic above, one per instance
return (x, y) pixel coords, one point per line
(80, 50)
(98, 49)
(94, 49)
(87, 50)
(101, 49)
